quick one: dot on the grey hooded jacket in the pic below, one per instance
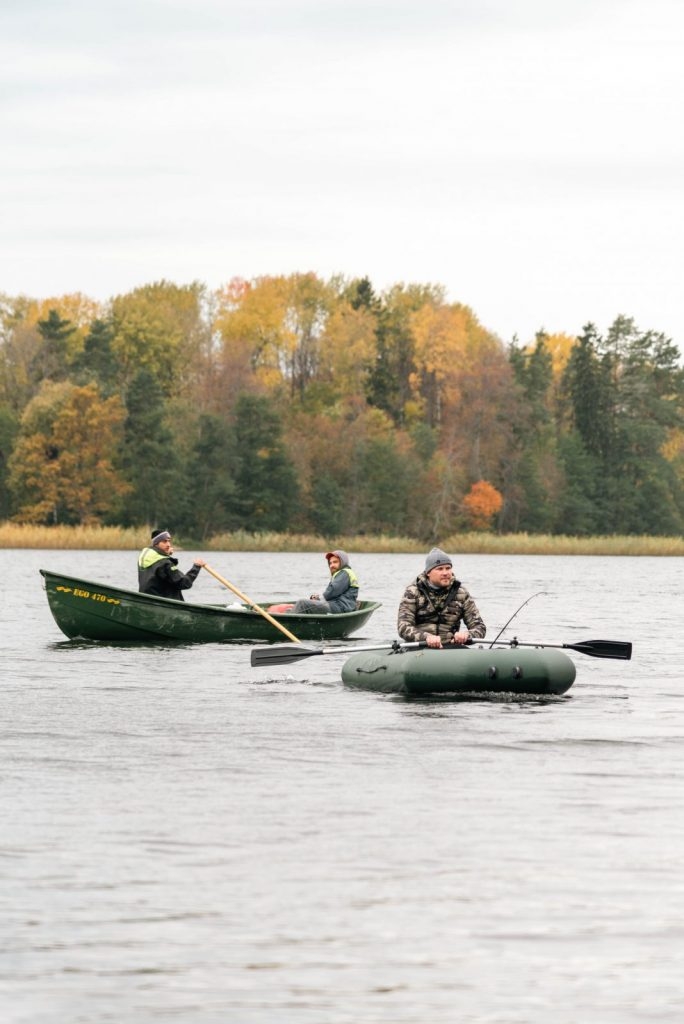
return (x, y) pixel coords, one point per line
(339, 596)
(343, 589)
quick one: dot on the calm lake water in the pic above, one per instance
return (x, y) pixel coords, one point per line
(188, 839)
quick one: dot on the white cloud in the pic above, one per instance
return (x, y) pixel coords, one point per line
(526, 155)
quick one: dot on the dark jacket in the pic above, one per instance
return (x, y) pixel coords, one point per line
(425, 609)
(158, 574)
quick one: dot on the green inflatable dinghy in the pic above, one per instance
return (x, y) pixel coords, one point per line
(474, 669)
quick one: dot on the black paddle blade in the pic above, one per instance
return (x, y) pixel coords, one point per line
(603, 649)
(281, 655)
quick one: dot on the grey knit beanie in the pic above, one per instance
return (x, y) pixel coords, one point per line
(436, 557)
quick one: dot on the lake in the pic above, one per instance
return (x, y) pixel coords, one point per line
(189, 839)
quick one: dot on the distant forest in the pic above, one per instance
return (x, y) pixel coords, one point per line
(292, 403)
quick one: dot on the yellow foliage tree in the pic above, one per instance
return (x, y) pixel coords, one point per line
(61, 469)
(159, 328)
(78, 309)
(560, 347)
(440, 334)
(348, 348)
(249, 320)
(276, 323)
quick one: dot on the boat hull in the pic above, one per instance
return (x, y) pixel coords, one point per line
(474, 669)
(95, 611)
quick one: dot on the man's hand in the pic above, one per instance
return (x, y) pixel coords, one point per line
(462, 637)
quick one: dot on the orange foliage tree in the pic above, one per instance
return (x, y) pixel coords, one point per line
(481, 504)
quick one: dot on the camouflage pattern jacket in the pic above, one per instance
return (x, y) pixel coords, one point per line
(425, 610)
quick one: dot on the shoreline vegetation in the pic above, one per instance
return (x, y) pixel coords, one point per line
(113, 538)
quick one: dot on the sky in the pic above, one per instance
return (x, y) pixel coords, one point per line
(527, 155)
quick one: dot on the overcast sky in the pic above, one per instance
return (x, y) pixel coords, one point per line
(526, 154)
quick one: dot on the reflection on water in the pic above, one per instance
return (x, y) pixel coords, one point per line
(189, 838)
(522, 700)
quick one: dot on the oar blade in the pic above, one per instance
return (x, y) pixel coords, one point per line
(281, 655)
(287, 653)
(619, 649)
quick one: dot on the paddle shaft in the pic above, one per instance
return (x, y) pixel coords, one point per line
(283, 655)
(256, 607)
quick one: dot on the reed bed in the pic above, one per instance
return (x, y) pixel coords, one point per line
(80, 538)
(16, 535)
(243, 541)
(540, 544)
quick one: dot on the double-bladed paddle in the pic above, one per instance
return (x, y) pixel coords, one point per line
(283, 655)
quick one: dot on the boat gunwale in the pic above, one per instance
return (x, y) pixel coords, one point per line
(366, 607)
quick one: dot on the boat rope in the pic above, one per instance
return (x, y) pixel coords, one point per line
(505, 627)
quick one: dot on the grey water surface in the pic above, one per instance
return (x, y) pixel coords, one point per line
(189, 839)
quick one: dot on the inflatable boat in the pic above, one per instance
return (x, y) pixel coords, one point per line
(459, 670)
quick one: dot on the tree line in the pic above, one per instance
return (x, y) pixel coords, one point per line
(295, 403)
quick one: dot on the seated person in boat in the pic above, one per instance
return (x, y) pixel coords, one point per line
(437, 608)
(158, 571)
(339, 596)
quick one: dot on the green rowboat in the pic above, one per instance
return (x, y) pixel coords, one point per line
(97, 611)
(472, 670)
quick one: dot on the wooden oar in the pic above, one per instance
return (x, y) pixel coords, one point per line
(284, 655)
(256, 607)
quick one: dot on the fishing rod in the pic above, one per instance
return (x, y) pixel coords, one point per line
(503, 628)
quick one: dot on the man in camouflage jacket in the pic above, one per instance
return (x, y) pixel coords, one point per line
(434, 606)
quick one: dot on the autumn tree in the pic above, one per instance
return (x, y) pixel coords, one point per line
(308, 304)
(440, 342)
(9, 428)
(276, 323)
(482, 503)
(476, 417)
(346, 357)
(20, 343)
(250, 324)
(61, 469)
(159, 328)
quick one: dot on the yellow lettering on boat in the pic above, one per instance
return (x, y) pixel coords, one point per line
(87, 594)
(107, 600)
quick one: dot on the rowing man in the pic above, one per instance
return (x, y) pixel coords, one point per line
(158, 571)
